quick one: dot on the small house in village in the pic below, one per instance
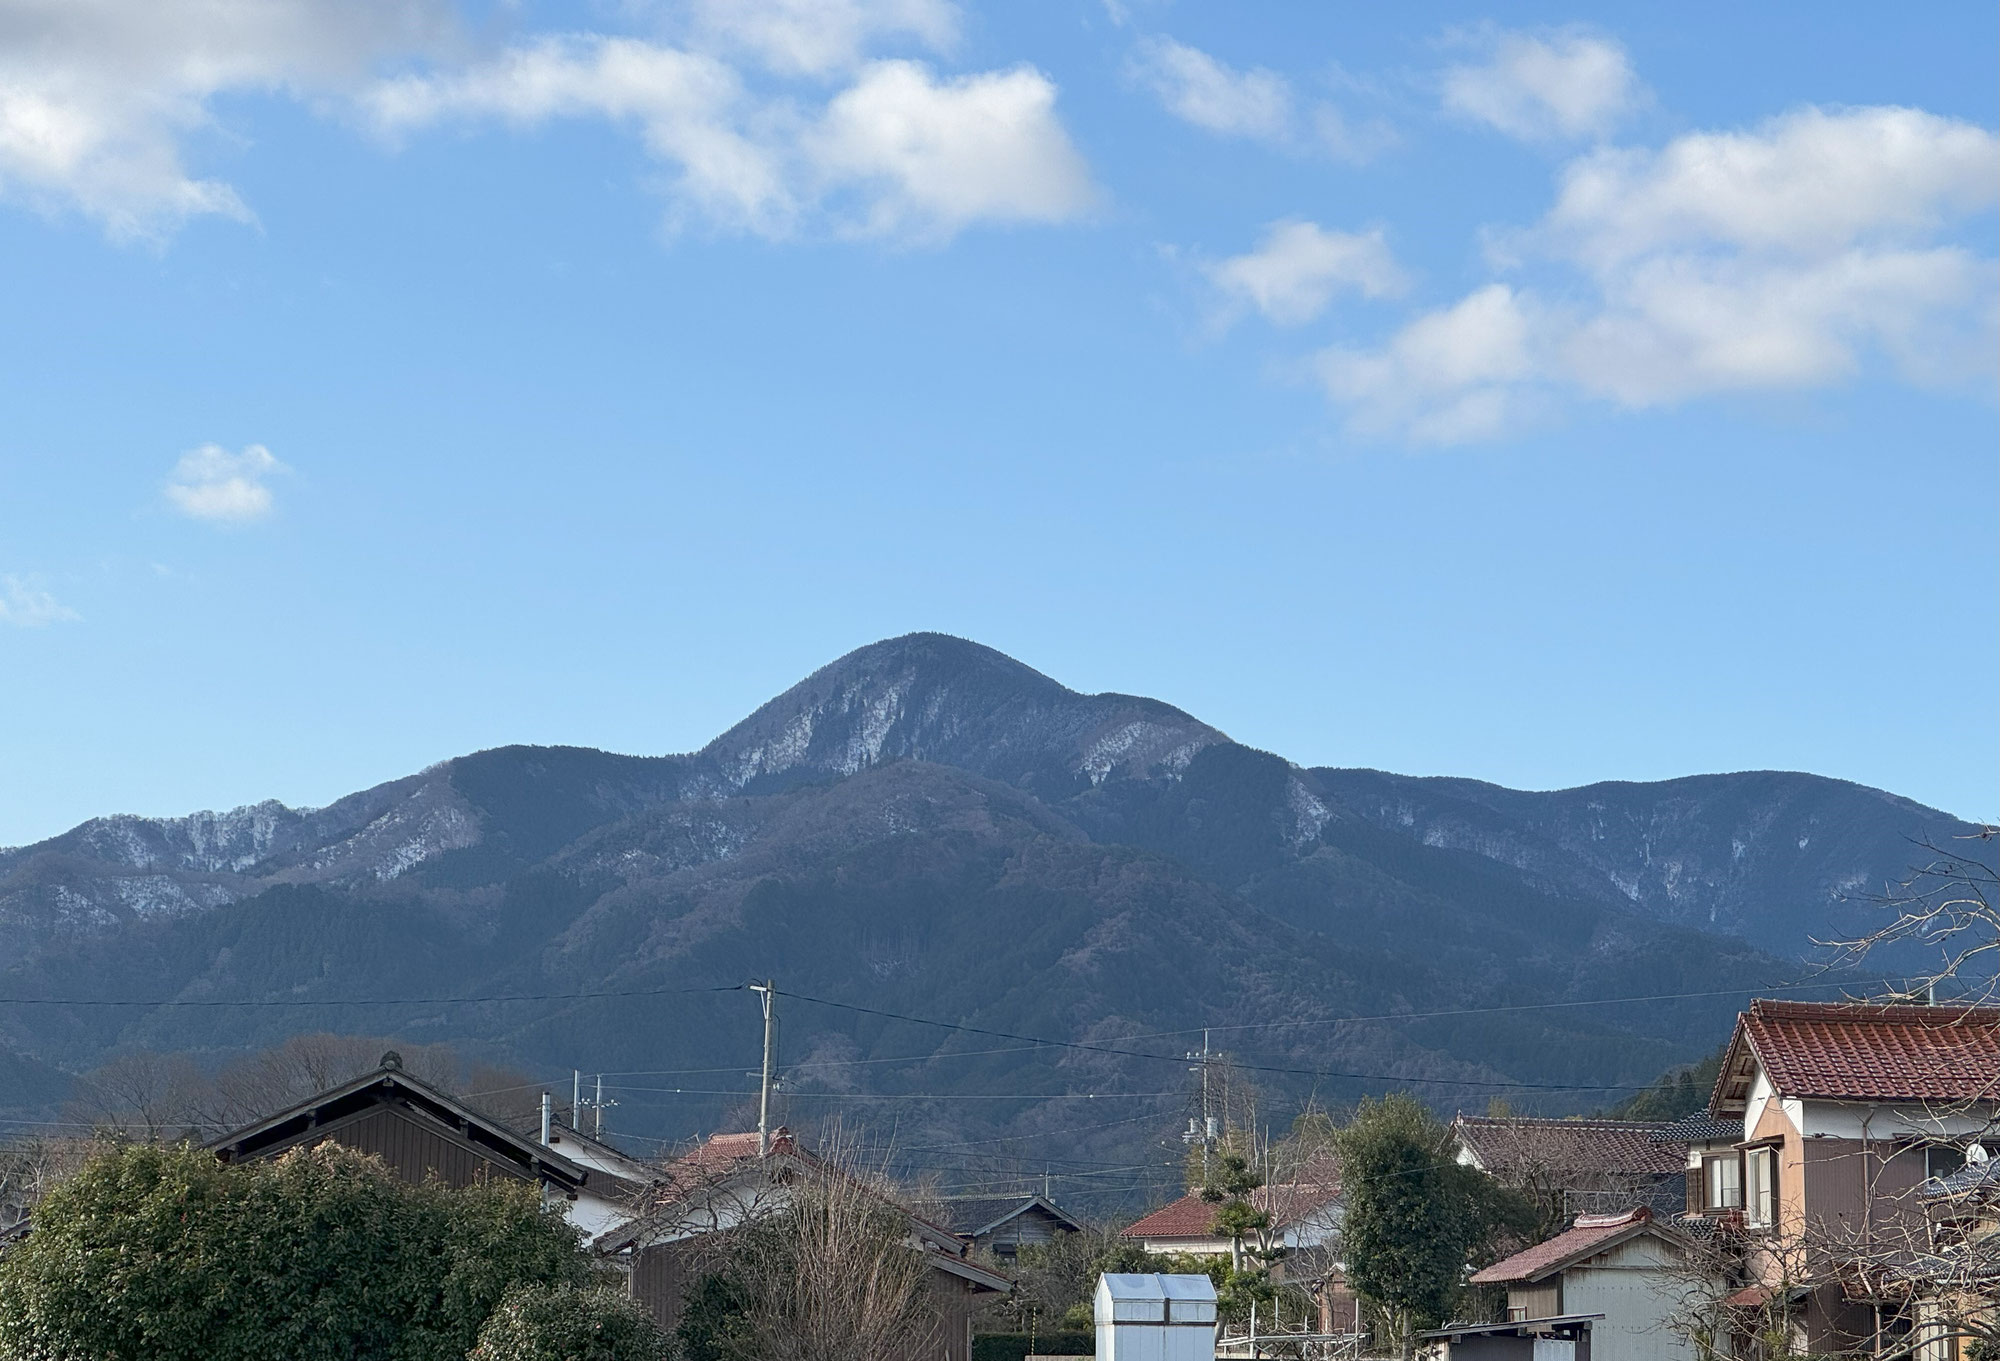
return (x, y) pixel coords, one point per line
(1626, 1271)
(1303, 1215)
(419, 1131)
(1305, 1221)
(1003, 1225)
(728, 1182)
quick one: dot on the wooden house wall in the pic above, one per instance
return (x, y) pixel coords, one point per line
(415, 1151)
(1543, 1299)
(1027, 1229)
(1852, 1190)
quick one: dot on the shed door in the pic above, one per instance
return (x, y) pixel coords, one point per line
(1555, 1349)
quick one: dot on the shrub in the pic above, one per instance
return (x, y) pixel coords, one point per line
(568, 1323)
(165, 1254)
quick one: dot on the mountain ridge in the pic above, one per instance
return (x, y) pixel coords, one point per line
(929, 824)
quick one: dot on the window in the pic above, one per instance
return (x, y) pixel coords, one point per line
(1722, 1180)
(1760, 1186)
(1941, 1160)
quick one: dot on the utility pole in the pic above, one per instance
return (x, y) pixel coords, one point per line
(767, 989)
(576, 1099)
(1205, 1131)
(546, 1101)
(597, 1108)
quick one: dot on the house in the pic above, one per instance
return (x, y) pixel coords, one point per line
(1576, 1166)
(1305, 1221)
(1303, 1215)
(1626, 1271)
(618, 1185)
(1003, 1225)
(419, 1131)
(684, 1233)
(1842, 1113)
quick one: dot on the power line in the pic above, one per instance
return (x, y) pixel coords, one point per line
(360, 1001)
(1321, 1073)
(912, 1096)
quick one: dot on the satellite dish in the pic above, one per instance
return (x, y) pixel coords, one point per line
(1976, 1155)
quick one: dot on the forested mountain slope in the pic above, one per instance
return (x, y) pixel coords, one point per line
(927, 827)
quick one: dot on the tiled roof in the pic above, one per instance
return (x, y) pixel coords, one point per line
(1857, 1051)
(970, 1215)
(1699, 1128)
(1588, 1236)
(1193, 1217)
(1980, 1178)
(1583, 1147)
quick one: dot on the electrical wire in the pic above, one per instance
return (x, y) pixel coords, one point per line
(361, 1001)
(1320, 1073)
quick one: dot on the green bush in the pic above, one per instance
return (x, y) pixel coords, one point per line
(164, 1254)
(1014, 1346)
(565, 1323)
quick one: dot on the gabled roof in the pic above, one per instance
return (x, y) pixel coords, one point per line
(608, 1163)
(1515, 1143)
(318, 1117)
(1861, 1051)
(1192, 1217)
(1590, 1235)
(972, 1216)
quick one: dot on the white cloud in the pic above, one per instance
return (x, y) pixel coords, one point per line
(813, 37)
(101, 101)
(1258, 104)
(212, 484)
(1812, 180)
(689, 109)
(1446, 377)
(1784, 257)
(898, 152)
(25, 604)
(1566, 85)
(97, 97)
(933, 156)
(1299, 266)
(1198, 89)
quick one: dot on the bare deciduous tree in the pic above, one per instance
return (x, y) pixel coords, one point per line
(833, 1276)
(1948, 907)
(29, 1168)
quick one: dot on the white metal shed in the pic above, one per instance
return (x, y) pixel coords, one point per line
(1155, 1317)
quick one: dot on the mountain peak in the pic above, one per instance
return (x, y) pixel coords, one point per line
(935, 697)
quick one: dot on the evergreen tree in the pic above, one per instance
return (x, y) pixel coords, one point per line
(1416, 1220)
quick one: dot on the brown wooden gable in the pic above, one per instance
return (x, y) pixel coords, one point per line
(417, 1130)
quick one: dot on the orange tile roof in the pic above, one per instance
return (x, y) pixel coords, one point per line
(1589, 1235)
(1193, 1217)
(1846, 1051)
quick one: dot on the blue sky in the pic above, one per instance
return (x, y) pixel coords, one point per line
(1544, 395)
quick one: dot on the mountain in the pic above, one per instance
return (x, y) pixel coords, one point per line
(930, 829)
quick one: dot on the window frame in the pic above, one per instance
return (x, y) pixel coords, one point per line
(1761, 1173)
(1710, 1164)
